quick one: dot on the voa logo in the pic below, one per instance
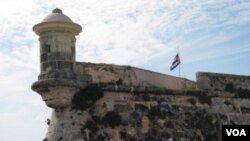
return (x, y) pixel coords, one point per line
(236, 132)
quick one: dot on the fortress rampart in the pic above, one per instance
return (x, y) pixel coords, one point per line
(130, 76)
(218, 81)
(141, 114)
(104, 102)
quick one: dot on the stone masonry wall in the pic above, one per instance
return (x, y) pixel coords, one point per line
(130, 76)
(109, 113)
(216, 81)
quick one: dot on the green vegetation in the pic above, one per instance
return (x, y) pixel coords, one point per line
(45, 139)
(155, 113)
(245, 110)
(146, 97)
(204, 99)
(190, 87)
(100, 138)
(239, 93)
(87, 97)
(226, 102)
(96, 119)
(124, 136)
(169, 124)
(141, 107)
(48, 121)
(132, 139)
(119, 81)
(194, 93)
(95, 124)
(211, 135)
(150, 138)
(229, 87)
(93, 128)
(90, 125)
(112, 119)
(192, 101)
(242, 93)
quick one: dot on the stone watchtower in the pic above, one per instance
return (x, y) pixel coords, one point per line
(57, 81)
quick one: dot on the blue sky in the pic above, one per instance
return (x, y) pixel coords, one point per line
(212, 35)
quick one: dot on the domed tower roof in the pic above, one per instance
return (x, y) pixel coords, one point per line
(57, 21)
(57, 16)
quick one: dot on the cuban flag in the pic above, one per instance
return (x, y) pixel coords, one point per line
(176, 62)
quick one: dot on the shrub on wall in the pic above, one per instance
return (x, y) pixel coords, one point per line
(226, 102)
(192, 101)
(204, 99)
(119, 81)
(90, 125)
(229, 87)
(112, 119)
(155, 113)
(86, 98)
(242, 93)
(150, 138)
(100, 138)
(191, 87)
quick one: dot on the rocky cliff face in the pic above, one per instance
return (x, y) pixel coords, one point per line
(120, 113)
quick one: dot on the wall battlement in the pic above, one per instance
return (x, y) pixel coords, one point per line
(130, 76)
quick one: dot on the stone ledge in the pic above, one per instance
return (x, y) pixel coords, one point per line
(42, 85)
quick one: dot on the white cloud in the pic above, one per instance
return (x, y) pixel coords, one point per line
(23, 123)
(132, 32)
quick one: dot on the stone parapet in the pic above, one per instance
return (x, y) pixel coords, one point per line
(130, 76)
(221, 82)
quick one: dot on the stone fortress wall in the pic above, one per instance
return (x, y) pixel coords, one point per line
(218, 81)
(149, 114)
(130, 76)
(102, 102)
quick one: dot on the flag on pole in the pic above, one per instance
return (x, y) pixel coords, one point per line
(176, 62)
